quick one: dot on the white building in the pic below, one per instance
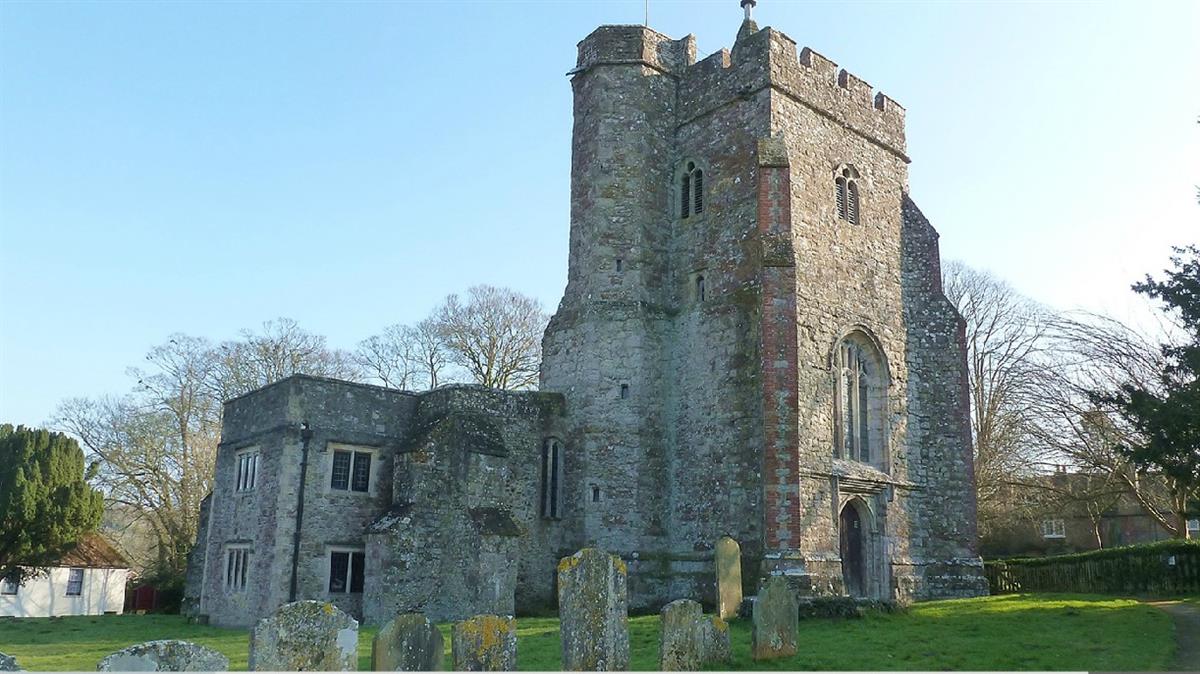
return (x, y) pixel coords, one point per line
(90, 580)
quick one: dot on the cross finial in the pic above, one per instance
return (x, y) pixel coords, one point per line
(748, 5)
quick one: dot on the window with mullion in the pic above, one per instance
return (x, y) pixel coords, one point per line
(341, 470)
(361, 477)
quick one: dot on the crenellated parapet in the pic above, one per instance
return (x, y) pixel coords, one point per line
(625, 45)
(769, 59)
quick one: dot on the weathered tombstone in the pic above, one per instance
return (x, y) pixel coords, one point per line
(593, 611)
(170, 655)
(485, 643)
(407, 643)
(679, 649)
(728, 559)
(776, 621)
(8, 663)
(305, 636)
(713, 635)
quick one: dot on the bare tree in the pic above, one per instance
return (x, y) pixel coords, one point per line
(282, 349)
(1087, 353)
(429, 352)
(495, 335)
(389, 356)
(155, 447)
(407, 357)
(1004, 334)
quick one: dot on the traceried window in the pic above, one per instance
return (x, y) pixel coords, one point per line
(846, 194)
(247, 470)
(859, 403)
(551, 471)
(237, 567)
(1054, 528)
(346, 571)
(691, 191)
(75, 583)
(351, 471)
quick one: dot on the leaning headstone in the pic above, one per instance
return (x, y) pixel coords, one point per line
(728, 558)
(305, 636)
(593, 611)
(485, 643)
(408, 643)
(776, 621)
(8, 663)
(679, 649)
(713, 635)
(170, 655)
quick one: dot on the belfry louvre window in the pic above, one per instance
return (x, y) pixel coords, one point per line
(846, 194)
(691, 191)
(75, 583)
(247, 470)
(346, 571)
(551, 471)
(351, 471)
(237, 565)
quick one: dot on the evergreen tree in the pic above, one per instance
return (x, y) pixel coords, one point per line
(45, 500)
(1166, 413)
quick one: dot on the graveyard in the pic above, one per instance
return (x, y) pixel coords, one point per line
(1042, 632)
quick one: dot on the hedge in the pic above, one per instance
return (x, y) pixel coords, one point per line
(1162, 568)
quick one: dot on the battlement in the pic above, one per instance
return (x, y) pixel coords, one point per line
(769, 58)
(627, 44)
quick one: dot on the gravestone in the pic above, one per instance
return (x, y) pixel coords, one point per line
(679, 649)
(407, 643)
(713, 635)
(728, 560)
(776, 621)
(170, 655)
(485, 643)
(305, 636)
(593, 611)
(8, 663)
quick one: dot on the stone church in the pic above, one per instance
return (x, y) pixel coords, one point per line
(753, 342)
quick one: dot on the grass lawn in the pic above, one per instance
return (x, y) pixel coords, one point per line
(1043, 632)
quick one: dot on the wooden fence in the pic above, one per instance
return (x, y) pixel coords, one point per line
(1167, 568)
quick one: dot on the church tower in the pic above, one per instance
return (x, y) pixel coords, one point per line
(753, 341)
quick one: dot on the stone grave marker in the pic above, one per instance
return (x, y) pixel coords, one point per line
(305, 636)
(776, 621)
(593, 611)
(728, 559)
(679, 648)
(713, 635)
(485, 643)
(407, 643)
(168, 655)
(8, 663)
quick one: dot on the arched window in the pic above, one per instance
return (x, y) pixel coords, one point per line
(846, 194)
(700, 288)
(552, 479)
(860, 401)
(691, 191)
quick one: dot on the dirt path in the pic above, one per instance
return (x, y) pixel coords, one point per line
(1187, 634)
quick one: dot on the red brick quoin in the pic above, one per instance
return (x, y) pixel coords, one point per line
(781, 475)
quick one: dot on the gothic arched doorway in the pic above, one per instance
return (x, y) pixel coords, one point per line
(850, 525)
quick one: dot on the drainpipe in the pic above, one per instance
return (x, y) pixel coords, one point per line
(305, 436)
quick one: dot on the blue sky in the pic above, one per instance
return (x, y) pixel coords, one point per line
(203, 167)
